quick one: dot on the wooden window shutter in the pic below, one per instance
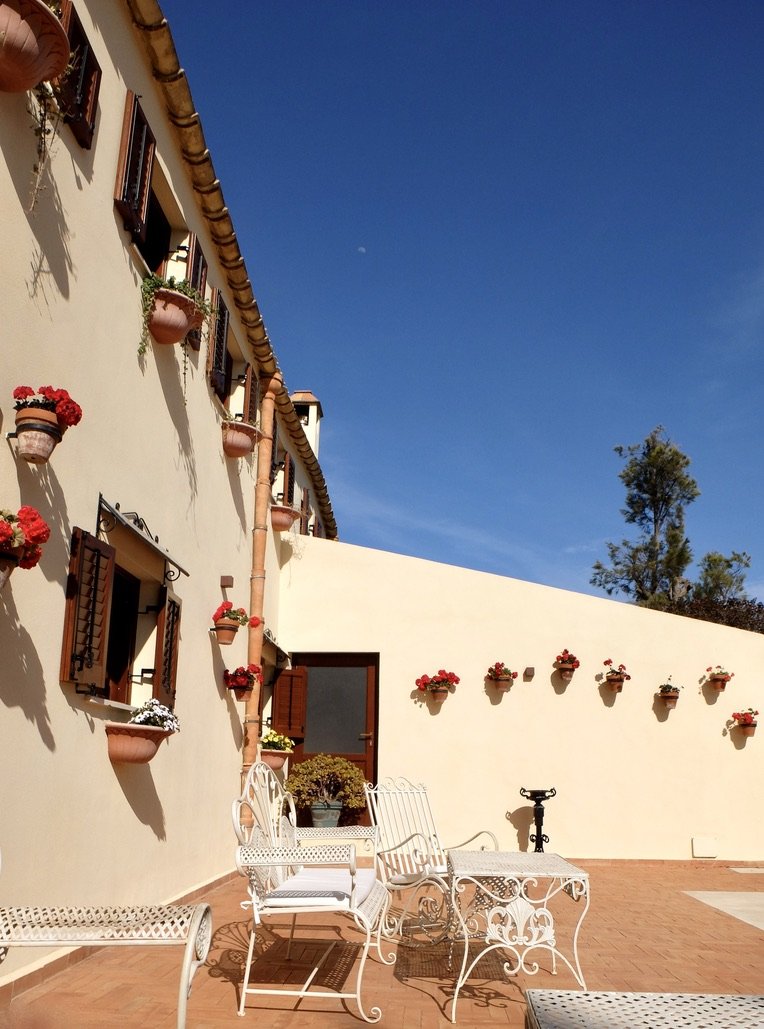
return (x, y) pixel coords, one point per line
(274, 452)
(251, 395)
(196, 270)
(77, 89)
(168, 640)
(136, 162)
(87, 609)
(304, 513)
(289, 476)
(290, 702)
(220, 360)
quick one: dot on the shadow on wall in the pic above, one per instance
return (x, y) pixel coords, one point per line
(22, 683)
(522, 820)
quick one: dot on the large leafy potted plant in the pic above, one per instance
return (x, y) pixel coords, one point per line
(21, 539)
(171, 308)
(137, 741)
(328, 787)
(35, 47)
(41, 420)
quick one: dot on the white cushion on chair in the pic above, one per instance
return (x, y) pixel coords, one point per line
(321, 887)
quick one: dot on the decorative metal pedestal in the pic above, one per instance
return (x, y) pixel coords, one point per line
(538, 797)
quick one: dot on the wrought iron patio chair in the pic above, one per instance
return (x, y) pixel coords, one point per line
(285, 878)
(411, 858)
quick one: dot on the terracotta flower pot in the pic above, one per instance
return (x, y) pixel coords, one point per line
(439, 694)
(283, 517)
(172, 316)
(225, 630)
(240, 692)
(566, 671)
(502, 683)
(275, 759)
(9, 559)
(239, 438)
(719, 682)
(615, 682)
(748, 730)
(33, 45)
(669, 699)
(133, 744)
(37, 433)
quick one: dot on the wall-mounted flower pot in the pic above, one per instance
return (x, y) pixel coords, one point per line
(669, 699)
(34, 46)
(172, 316)
(719, 682)
(37, 434)
(502, 683)
(240, 692)
(748, 730)
(133, 744)
(9, 560)
(239, 438)
(225, 630)
(282, 518)
(566, 671)
(275, 759)
(614, 682)
(439, 694)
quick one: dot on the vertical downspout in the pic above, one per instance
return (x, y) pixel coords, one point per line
(271, 385)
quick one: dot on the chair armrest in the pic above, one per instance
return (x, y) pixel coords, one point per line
(424, 840)
(483, 832)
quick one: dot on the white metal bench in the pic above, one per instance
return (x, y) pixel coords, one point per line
(178, 924)
(285, 878)
(570, 1009)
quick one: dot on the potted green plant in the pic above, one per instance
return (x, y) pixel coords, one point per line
(226, 621)
(669, 693)
(566, 664)
(171, 308)
(21, 538)
(35, 47)
(328, 787)
(137, 741)
(275, 749)
(41, 420)
(615, 677)
(500, 674)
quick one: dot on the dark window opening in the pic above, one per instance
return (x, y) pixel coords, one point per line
(124, 622)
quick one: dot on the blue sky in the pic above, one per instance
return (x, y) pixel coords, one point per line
(496, 239)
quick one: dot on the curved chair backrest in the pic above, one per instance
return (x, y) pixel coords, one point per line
(409, 844)
(264, 802)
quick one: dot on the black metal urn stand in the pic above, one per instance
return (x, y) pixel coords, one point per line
(538, 797)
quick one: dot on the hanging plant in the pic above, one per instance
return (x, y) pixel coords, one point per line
(170, 310)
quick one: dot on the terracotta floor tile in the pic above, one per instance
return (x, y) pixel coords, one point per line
(641, 933)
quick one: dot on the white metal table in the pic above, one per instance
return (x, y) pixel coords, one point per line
(503, 897)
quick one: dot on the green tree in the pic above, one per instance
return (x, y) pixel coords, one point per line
(658, 489)
(722, 578)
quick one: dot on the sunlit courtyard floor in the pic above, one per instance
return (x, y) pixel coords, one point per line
(643, 932)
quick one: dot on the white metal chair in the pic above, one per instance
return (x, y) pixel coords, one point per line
(411, 857)
(285, 878)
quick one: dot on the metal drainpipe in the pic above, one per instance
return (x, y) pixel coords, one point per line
(272, 385)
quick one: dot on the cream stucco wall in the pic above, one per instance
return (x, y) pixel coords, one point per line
(632, 780)
(74, 828)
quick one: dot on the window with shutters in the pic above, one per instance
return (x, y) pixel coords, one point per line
(196, 273)
(220, 361)
(77, 90)
(122, 622)
(141, 194)
(251, 396)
